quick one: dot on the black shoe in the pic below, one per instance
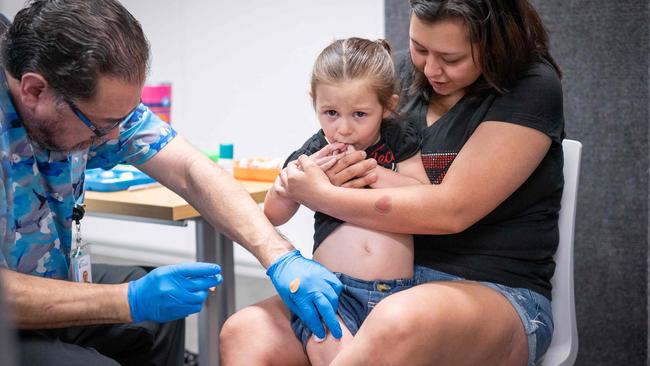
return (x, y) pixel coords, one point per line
(191, 359)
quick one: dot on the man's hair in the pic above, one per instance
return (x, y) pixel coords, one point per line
(72, 43)
(509, 35)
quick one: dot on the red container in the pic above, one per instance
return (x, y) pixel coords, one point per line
(158, 97)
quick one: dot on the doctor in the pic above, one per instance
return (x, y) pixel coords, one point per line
(71, 75)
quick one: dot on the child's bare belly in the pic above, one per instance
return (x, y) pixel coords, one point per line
(367, 254)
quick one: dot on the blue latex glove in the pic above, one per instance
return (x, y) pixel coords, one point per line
(316, 292)
(172, 292)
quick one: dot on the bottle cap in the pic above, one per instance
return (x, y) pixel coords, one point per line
(226, 151)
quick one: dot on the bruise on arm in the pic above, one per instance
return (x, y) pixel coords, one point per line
(383, 205)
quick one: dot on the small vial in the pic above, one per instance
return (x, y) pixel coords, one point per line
(226, 154)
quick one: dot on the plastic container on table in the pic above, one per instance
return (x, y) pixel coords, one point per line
(120, 178)
(259, 169)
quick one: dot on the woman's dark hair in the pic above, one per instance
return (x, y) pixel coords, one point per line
(71, 43)
(509, 35)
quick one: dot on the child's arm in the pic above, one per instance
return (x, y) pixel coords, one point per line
(277, 207)
(411, 172)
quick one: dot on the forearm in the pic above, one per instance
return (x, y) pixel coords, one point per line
(491, 166)
(398, 210)
(220, 199)
(225, 204)
(40, 303)
(279, 209)
(387, 178)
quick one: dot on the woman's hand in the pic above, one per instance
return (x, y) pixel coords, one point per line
(324, 158)
(304, 178)
(351, 169)
(335, 164)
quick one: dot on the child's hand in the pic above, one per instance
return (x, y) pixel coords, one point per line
(333, 149)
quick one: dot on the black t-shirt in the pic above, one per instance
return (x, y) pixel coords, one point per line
(399, 141)
(514, 244)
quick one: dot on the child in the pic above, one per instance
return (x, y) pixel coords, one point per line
(352, 88)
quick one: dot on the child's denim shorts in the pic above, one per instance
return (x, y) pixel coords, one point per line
(359, 297)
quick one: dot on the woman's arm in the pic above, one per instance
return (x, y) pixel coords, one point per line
(410, 172)
(494, 162)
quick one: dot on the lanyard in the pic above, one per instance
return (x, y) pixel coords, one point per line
(78, 212)
(80, 263)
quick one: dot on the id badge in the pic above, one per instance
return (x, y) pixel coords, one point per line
(81, 266)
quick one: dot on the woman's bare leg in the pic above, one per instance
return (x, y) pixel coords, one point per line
(261, 334)
(442, 323)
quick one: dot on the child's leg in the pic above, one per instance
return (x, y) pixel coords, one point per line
(322, 353)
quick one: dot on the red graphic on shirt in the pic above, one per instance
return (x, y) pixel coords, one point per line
(383, 155)
(437, 164)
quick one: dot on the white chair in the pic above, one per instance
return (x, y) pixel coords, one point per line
(564, 346)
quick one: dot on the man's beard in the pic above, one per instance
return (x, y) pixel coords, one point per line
(44, 132)
(48, 144)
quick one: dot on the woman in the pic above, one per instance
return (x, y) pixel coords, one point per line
(486, 94)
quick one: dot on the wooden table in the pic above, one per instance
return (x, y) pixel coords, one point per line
(162, 206)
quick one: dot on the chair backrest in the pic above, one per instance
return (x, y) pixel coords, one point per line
(564, 346)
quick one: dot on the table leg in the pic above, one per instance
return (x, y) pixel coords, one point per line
(214, 247)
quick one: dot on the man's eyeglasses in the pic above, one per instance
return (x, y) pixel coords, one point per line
(98, 131)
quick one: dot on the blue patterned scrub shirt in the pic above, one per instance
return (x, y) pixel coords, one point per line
(38, 187)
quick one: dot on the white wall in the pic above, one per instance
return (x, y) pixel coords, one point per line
(240, 73)
(10, 7)
(240, 69)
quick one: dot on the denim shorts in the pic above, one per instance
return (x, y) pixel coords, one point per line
(357, 300)
(533, 309)
(359, 297)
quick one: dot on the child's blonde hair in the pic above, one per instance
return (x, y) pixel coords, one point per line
(353, 59)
